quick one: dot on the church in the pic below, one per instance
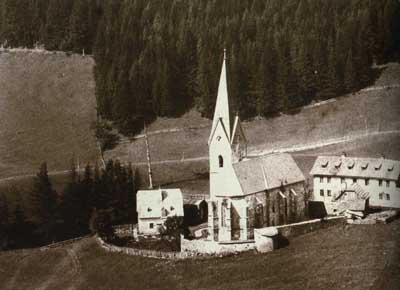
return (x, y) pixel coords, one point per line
(247, 193)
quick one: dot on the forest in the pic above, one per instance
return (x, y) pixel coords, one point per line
(163, 58)
(92, 201)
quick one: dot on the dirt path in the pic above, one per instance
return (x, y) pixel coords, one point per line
(14, 280)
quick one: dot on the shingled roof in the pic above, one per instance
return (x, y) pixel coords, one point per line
(342, 166)
(267, 172)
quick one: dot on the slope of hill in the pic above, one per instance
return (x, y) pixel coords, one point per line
(47, 108)
(47, 111)
(341, 257)
(364, 123)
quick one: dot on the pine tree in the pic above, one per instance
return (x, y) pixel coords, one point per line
(131, 192)
(73, 206)
(79, 27)
(20, 230)
(4, 222)
(349, 73)
(44, 205)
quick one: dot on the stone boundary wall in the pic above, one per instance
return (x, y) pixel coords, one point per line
(127, 230)
(189, 249)
(205, 247)
(142, 252)
(297, 229)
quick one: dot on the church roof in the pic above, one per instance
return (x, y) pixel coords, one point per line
(356, 167)
(238, 131)
(267, 172)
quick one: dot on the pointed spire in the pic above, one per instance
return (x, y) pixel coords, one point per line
(222, 103)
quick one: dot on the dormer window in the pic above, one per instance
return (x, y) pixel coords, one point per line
(172, 208)
(378, 166)
(220, 161)
(391, 167)
(149, 209)
(325, 164)
(338, 164)
(364, 166)
(350, 165)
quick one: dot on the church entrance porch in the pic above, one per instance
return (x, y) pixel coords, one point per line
(228, 219)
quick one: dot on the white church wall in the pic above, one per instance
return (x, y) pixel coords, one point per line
(223, 180)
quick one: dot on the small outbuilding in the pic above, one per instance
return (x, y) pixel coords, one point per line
(155, 206)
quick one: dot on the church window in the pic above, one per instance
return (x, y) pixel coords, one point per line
(151, 225)
(220, 161)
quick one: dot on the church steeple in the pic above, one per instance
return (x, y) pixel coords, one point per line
(222, 103)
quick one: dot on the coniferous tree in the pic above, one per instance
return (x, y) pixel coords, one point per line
(79, 39)
(20, 229)
(44, 205)
(349, 72)
(4, 222)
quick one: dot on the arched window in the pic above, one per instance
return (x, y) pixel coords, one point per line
(220, 161)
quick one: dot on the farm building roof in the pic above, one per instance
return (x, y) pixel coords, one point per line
(267, 172)
(159, 203)
(379, 168)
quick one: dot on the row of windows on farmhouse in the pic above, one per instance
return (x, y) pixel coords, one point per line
(329, 193)
(355, 180)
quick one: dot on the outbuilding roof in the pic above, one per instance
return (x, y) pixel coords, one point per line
(267, 172)
(342, 166)
(159, 203)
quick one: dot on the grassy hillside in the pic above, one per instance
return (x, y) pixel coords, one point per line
(366, 123)
(47, 111)
(49, 114)
(343, 257)
(367, 111)
(362, 124)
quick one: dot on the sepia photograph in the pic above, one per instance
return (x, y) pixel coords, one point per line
(199, 144)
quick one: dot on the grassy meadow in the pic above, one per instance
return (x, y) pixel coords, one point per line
(341, 257)
(47, 111)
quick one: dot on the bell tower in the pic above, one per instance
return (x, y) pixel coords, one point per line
(219, 142)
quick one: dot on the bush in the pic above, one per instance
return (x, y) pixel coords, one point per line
(173, 227)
